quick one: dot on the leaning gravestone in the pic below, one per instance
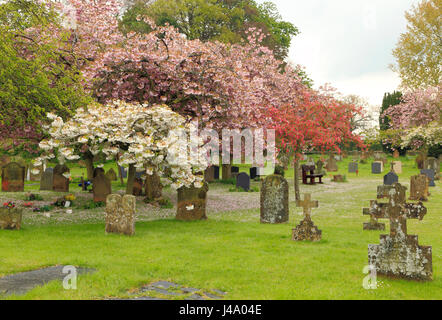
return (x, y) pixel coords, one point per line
(46, 181)
(399, 255)
(13, 177)
(390, 178)
(397, 166)
(430, 174)
(111, 175)
(331, 164)
(274, 199)
(353, 167)
(101, 186)
(60, 182)
(192, 203)
(419, 188)
(376, 167)
(306, 230)
(243, 181)
(10, 218)
(120, 214)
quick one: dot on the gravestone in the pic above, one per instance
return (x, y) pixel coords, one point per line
(243, 181)
(377, 167)
(216, 174)
(253, 172)
(399, 255)
(430, 174)
(137, 187)
(209, 174)
(120, 214)
(274, 206)
(101, 186)
(432, 163)
(420, 160)
(320, 167)
(10, 218)
(397, 166)
(396, 154)
(111, 175)
(153, 187)
(306, 230)
(353, 167)
(331, 164)
(59, 182)
(13, 177)
(390, 178)
(419, 187)
(47, 179)
(191, 203)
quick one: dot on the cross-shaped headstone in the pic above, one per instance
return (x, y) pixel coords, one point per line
(399, 254)
(307, 204)
(306, 230)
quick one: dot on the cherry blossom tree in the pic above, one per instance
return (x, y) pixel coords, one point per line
(146, 138)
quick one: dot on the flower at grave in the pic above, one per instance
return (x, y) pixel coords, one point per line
(9, 204)
(191, 207)
(27, 204)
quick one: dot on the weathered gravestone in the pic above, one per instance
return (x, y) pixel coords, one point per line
(10, 218)
(320, 167)
(120, 214)
(397, 166)
(331, 164)
(432, 163)
(377, 167)
(209, 174)
(399, 255)
(13, 177)
(395, 154)
(274, 199)
(353, 167)
(101, 186)
(192, 203)
(420, 160)
(243, 181)
(153, 187)
(111, 175)
(419, 187)
(306, 230)
(430, 174)
(60, 183)
(47, 179)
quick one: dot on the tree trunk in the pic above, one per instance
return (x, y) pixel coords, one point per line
(89, 161)
(296, 170)
(153, 187)
(130, 179)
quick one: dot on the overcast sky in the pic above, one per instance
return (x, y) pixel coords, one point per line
(347, 43)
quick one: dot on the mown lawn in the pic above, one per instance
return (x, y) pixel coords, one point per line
(231, 251)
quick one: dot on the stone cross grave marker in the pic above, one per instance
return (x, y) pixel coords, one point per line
(120, 214)
(101, 186)
(430, 174)
(243, 181)
(374, 224)
(399, 255)
(274, 200)
(13, 177)
(46, 181)
(60, 183)
(192, 203)
(419, 187)
(306, 230)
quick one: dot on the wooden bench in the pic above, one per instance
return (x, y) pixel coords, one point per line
(308, 172)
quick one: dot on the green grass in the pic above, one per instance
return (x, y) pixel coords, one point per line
(232, 251)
